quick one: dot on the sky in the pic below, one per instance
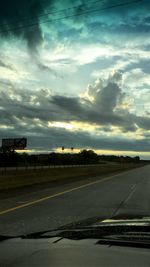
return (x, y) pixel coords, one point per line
(76, 74)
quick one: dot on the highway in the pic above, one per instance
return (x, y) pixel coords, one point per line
(56, 204)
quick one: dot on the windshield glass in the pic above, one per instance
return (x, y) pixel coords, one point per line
(74, 113)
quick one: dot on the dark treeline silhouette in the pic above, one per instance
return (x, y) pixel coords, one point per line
(14, 159)
(122, 159)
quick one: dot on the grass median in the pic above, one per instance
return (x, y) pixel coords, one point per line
(20, 178)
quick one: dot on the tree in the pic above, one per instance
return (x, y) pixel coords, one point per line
(88, 156)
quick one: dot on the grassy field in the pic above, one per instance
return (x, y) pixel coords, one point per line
(13, 179)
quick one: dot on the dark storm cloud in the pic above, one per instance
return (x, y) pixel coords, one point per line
(16, 15)
(73, 109)
(16, 18)
(51, 138)
(107, 97)
(6, 65)
(28, 113)
(84, 111)
(46, 107)
(47, 69)
(144, 122)
(70, 104)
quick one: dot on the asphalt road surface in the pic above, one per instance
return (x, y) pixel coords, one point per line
(52, 205)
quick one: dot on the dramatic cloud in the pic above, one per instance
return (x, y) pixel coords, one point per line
(43, 67)
(32, 115)
(5, 65)
(16, 16)
(51, 138)
(80, 80)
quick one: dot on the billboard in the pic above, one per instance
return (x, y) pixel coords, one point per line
(14, 143)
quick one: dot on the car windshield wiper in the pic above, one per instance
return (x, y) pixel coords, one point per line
(125, 243)
(117, 231)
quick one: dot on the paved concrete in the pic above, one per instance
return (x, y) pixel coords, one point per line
(126, 193)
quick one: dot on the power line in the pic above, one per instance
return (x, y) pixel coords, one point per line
(95, 10)
(54, 12)
(71, 16)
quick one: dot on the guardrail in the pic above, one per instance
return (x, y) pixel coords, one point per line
(5, 169)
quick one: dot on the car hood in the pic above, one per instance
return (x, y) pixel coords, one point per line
(143, 221)
(72, 245)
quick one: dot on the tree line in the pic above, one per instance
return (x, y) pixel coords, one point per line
(14, 159)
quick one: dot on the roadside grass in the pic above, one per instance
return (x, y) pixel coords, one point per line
(20, 178)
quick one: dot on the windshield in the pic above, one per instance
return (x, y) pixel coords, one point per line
(74, 113)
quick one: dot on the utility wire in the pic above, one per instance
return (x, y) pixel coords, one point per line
(54, 12)
(71, 16)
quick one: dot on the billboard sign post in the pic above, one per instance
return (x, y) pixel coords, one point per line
(14, 143)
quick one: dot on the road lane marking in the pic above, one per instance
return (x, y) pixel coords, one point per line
(124, 202)
(57, 194)
(130, 194)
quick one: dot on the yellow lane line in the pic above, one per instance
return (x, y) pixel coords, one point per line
(56, 195)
